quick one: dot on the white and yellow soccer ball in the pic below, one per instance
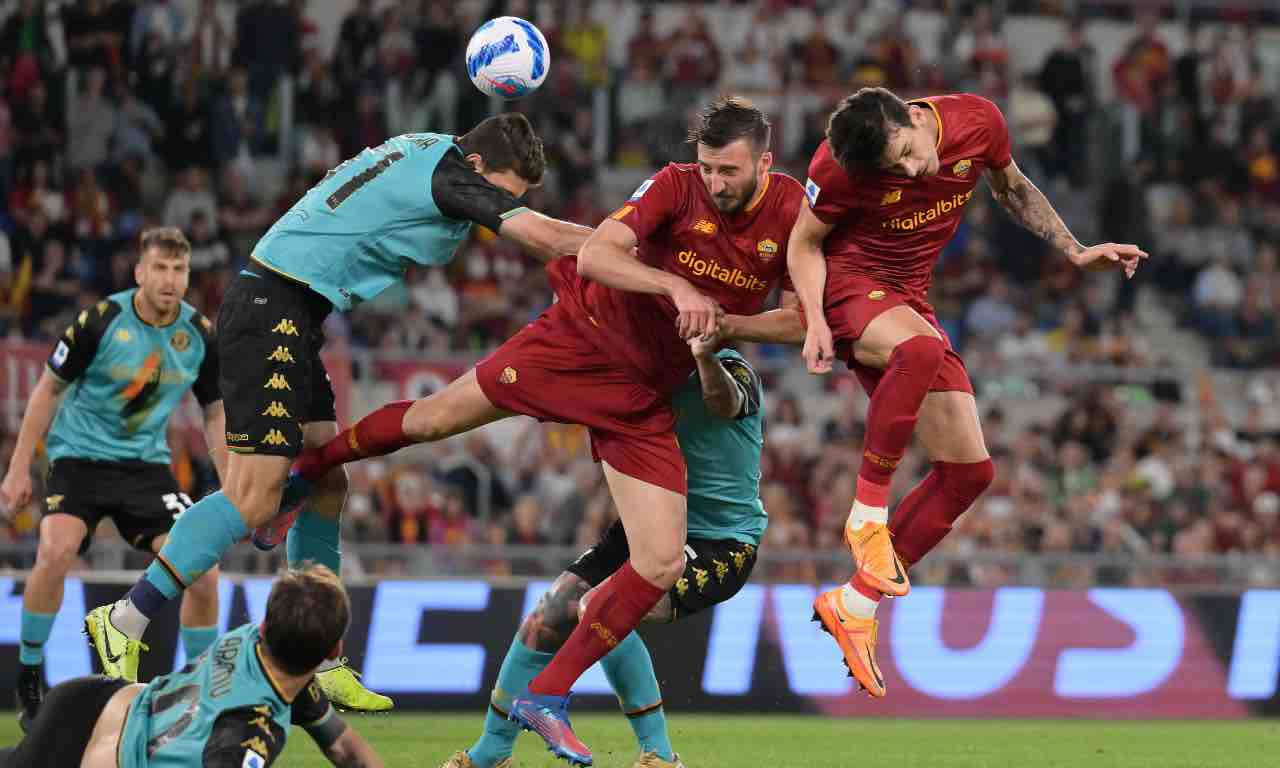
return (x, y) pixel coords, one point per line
(508, 57)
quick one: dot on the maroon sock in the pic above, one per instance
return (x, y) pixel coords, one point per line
(611, 615)
(942, 497)
(891, 415)
(377, 434)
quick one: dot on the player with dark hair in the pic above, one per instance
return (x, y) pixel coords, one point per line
(719, 423)
(694, 240)
(410, 201)
(231, 708)
(886, 191)
(105, 398)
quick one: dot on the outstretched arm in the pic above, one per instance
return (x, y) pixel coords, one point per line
(543, 236)
(808, 269)
(784, 325)
(1030, 208)
(352, 751)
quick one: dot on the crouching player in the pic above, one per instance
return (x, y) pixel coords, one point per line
(230, 708)
(719, 425)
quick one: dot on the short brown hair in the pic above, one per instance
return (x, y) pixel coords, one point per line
(307, 614)
(859, 129)
(507, 142)
(728, 119)
(169, 238)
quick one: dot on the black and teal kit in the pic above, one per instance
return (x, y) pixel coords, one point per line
(409, 201)
(726, 517)
(222, 710)
(108, 446)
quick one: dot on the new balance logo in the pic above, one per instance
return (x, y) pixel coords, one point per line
(274, 438)
(286, 327)
(277, 381)
(277, 411)
(281, 355)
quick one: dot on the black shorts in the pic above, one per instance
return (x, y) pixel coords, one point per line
(60, 733)
(714, 569)
(141, 497)
(272, 379)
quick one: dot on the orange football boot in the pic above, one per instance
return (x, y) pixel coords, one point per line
(856, 638)
(874, 558)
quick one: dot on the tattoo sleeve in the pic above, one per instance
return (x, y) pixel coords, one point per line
(553, 620)
(1030, 208)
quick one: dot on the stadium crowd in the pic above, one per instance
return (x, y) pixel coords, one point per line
(215, 116)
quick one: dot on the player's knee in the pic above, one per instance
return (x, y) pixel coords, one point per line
(660, 569)
(330, 493)
(923, 354)
(969, 480)
(57, 551)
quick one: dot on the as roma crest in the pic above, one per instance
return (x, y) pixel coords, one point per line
(961, 168)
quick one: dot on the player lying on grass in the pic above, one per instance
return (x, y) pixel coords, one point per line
(412, 200)
(609, 355)
(886, 192)
(231, 708)
(123, 365)
(720, 426)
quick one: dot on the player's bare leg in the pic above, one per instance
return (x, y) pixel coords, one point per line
(951, 434)
(60, 539)
(910, 351)
(655, 520)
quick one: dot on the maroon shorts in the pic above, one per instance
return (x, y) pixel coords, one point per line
(552, 372)
(863, 302)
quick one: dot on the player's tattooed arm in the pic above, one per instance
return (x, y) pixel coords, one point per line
(350, 750)
(720, 391)
(553, 620)
(1029, 207)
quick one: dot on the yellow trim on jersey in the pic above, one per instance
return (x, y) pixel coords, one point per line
(762, 193)
(266, 671)
(937, 115)
(280, 272)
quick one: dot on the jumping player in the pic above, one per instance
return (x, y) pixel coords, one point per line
(886, 191)
(694, 240)
(719, 425)
(411, 200)
(231, 708)
(123, 365)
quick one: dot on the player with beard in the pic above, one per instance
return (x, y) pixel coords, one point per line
(694, 240)
(886, 191)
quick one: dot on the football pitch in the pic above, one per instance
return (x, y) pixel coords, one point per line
(740, 741)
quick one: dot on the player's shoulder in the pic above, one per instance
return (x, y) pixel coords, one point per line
(103, 312)
(196, 320)
(964, 109)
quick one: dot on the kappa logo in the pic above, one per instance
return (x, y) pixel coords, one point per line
(277, 381)
(275, 437)
(54, 502)
(605, 634)
(682, 586)
(739, 560)
(180, 341)
(705, 227)
(281, 355)
(123, 336)
(891, 197)
(286, 327)
(722, 570)
(84, 317)
(71, 333)
(277, 410)
(257, 745)
(701, 577)
(767, 249)
(961, 168)
(508, 375)
(876, 295)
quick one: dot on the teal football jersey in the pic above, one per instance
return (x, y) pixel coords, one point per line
(723, 458)
(411, 200)
(223, 702)
(125, 378)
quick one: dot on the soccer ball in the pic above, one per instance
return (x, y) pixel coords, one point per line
(508, 57)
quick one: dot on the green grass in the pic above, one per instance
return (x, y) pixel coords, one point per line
(710, 741)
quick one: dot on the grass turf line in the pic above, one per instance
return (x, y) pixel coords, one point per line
(740, 741)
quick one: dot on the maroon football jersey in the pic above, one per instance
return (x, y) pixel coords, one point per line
(890, 228)
(736, 260)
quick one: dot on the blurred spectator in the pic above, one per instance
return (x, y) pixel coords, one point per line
(692, 58)
(242, 217)
(236, 125)
(1066, 78)
(90, 119)
(137, 128)
(208, 250)
(357, 44)
(191, 194)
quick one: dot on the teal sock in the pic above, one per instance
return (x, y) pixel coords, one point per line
(630, 672)
(499, 739)
(316, 538)
(33, 635)
(195, 640)
(196, 543)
